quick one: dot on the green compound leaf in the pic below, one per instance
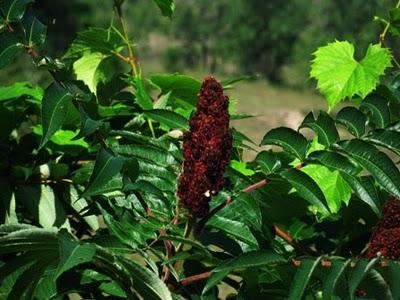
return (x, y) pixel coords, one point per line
(302, 277)
(54, 110)
(307, 188)
(106, 167)
(376, 162)
(289, 139)
(353, 119)
(324, 126)
(339, 75)
(168, 118)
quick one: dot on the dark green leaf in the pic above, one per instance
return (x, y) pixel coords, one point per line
(268, 162)
(389, 139)
(14, 9)
(306, 188)
(289, 139)
(324, 126)
(35, 31)
(335, 272)
(54, 110)
(10, 47)
(72, 253)
(376, 162)
(167, 7)
(378, 109)
(251, 259)
(302, 277)
(359, 272)
(106, 167)
(335, 161)
(88, 125)
(167, 117)
(353, 119)
(131, 168)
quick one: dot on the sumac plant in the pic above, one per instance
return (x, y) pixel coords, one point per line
(118, 186)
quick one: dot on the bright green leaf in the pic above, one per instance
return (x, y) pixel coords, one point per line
(339, 75)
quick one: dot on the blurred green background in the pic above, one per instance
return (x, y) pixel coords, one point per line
(271, 40)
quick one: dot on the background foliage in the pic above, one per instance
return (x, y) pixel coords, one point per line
(92, 150)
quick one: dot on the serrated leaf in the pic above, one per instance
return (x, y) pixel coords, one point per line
(335, 272)
(72, 253)
(268, 162)
(365, 190)
(324, 126)
(92, 69)
(106, 167)
(54, 110)
(168, 117)
(340, 76)
(167, 7)
(389, 139)
(101, 40)
(234, 228)
(353, 119)
(250, 259)
(181, 86)
(331, 183)
(376, 162)
(378, 109)
(306, 188)
(335, 161)
(302, 277)
(19, 89)
(359, 272)
(14, 10)
(10, 47)
(88, 125)
(289, 139)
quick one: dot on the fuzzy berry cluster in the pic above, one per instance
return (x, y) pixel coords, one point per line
(385, 238)
(206, 149)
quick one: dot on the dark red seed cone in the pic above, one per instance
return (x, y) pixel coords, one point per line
(385, 237)
(206, 149)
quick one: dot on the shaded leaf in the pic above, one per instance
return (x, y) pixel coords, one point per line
(289, 139)
(353, 119)
(378, 109)
(302, 277)
(168, 117)
(324, 126)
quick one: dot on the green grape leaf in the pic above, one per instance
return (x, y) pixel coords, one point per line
(339, 75)
(167, 7)
(181, 86)
(54, 110)
(92, 68)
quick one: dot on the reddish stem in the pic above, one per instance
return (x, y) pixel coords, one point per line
(194, 278)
